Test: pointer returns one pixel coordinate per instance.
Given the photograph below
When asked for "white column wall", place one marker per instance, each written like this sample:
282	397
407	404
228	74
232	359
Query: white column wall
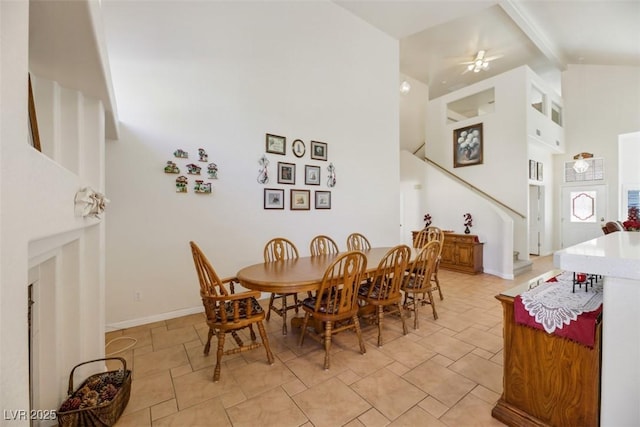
220	75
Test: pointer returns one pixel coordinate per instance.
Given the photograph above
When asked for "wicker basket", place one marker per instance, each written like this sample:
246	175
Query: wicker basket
106	413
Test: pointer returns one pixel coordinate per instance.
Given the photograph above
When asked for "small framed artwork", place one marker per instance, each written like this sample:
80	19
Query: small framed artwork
286	173
273	198
298	148
323	199
467	146
300	200
311	175
533	170
34	135
276	144
539	171
318	150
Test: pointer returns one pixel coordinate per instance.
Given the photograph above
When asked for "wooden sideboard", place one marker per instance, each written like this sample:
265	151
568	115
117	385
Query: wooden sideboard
461	252
548	380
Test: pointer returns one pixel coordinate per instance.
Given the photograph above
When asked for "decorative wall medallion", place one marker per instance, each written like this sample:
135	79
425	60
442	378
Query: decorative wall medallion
263	176
171	167
193	169
331	181
180	153
212	170
181	184
202	187
89	202
203	155
298	148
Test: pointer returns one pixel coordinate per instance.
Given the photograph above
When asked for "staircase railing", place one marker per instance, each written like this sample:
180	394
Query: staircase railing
469	185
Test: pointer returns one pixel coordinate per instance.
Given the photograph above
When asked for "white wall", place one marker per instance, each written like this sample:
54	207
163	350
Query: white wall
219	75
601	103
41	239
629	173
413	107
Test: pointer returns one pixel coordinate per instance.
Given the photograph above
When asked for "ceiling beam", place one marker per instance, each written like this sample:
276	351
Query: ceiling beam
533	32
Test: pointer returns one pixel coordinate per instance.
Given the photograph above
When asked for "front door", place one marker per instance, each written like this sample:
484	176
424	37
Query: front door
584	208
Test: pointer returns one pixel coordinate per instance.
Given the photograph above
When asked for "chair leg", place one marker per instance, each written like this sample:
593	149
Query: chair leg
207	346
435	278
304	328
380	317
327	343
404	324
433	305
284	314
252	333
356	323
415	312
216	370
265	342
271	298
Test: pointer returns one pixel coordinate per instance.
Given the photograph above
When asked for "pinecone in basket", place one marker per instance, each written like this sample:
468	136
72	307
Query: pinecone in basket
71	404
108	393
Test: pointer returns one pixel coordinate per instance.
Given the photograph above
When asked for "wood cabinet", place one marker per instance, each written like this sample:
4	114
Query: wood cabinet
462	252
548	380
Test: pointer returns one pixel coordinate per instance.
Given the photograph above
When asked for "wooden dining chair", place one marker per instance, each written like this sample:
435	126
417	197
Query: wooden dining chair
357	242
383	291
278	249
338	307
421	239
418	282
228	312
322	244
436	234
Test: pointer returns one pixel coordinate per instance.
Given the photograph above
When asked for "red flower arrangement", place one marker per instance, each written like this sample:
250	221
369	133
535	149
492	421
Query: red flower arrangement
632	223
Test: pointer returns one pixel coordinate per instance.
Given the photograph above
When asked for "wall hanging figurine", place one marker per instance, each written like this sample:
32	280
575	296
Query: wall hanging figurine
171	167
263	176
212	170
331	181
193	169
202	187
90	203
181	184
180	153
203	155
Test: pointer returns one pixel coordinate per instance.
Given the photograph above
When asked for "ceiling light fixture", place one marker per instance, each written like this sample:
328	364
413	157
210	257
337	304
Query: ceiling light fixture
581	165
405	87
479	64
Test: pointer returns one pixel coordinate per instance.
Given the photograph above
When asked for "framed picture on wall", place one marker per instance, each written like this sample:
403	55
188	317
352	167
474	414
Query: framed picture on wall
323	199
286	173
467	146
539	171
276	144
300	200
312	175
533	170
298	148
318	150
273	198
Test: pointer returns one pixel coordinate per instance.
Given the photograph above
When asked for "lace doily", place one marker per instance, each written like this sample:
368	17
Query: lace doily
553	304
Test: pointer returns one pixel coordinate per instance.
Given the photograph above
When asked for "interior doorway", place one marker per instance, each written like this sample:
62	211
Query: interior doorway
584	208
536	218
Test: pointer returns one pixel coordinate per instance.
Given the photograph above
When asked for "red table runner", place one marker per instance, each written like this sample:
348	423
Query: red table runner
554	308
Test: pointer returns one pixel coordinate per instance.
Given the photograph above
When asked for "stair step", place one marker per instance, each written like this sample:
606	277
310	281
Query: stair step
516	254
521	266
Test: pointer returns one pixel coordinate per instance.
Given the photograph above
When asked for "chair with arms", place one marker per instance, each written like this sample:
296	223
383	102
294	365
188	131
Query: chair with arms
435	233
323	245
338	307
357	242
227	311
418	281
383	291
278	249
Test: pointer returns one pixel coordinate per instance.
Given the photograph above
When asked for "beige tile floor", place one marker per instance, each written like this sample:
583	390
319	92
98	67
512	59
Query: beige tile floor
447	373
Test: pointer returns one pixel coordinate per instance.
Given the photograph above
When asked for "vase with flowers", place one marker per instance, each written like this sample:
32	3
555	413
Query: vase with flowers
427	220
468	222
632	223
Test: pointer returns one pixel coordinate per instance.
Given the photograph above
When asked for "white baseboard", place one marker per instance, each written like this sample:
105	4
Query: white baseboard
154	318
500	274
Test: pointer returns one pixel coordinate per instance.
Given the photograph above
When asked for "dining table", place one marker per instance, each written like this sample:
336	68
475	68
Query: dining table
303	274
